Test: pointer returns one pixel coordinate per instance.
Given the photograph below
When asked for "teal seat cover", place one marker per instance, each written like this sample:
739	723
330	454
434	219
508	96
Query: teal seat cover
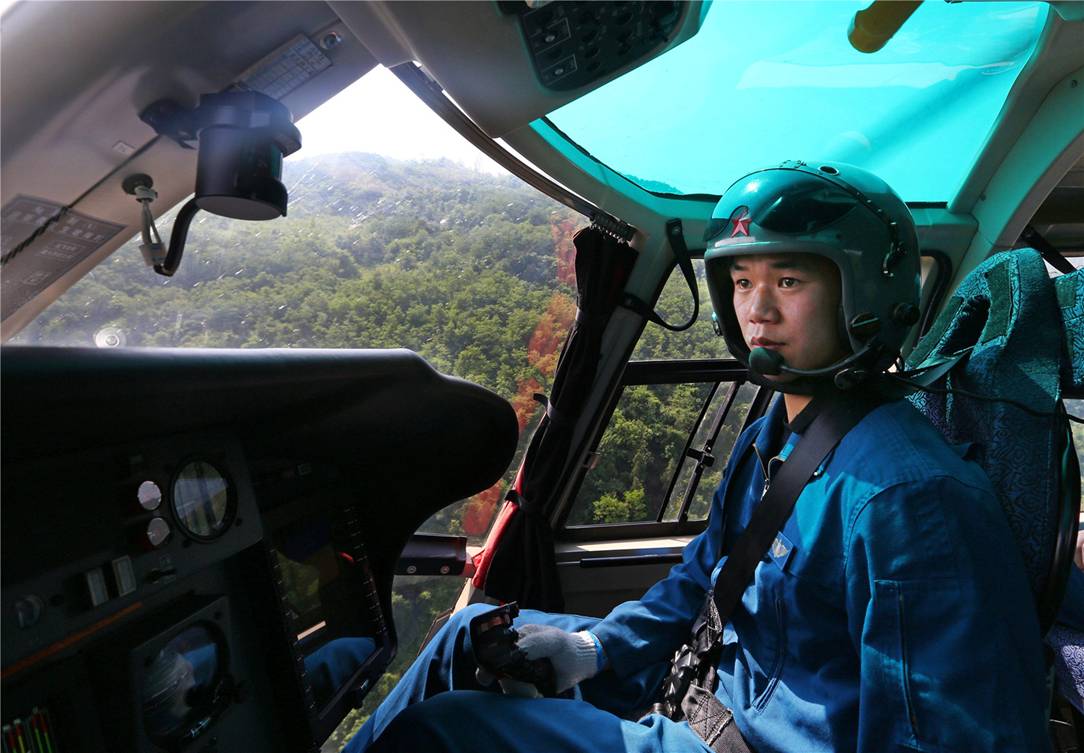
1070	289
1011	315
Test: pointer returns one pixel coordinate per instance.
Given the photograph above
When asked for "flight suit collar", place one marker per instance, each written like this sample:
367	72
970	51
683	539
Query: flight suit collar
777	438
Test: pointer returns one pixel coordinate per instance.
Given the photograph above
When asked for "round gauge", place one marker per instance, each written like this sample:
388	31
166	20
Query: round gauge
149	495
179	685
157	531
202	500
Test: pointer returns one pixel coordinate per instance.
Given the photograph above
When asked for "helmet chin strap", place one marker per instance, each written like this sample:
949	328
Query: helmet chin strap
766	362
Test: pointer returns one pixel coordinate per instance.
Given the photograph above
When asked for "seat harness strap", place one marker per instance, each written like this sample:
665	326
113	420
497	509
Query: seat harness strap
688	691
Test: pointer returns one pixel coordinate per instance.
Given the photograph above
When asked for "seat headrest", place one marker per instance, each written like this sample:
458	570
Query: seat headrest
1008	316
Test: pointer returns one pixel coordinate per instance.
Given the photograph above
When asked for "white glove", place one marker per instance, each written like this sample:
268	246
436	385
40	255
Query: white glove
573	654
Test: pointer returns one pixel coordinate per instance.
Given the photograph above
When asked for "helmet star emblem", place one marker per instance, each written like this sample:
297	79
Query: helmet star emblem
740	218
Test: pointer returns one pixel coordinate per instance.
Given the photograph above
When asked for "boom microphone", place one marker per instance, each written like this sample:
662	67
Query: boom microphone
767	362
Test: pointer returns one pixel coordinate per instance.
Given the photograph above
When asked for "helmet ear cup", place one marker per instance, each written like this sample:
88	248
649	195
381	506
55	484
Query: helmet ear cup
841	327
723	319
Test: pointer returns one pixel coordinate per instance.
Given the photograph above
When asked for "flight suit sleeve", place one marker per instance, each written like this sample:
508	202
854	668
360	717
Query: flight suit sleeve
942	618
639	633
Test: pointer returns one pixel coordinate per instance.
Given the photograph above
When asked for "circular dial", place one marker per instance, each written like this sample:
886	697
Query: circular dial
202	500
157	531
149	495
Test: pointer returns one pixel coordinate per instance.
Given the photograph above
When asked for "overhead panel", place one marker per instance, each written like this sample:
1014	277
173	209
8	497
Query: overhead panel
574	44
480	56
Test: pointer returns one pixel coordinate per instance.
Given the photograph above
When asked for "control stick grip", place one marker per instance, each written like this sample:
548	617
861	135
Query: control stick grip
494	644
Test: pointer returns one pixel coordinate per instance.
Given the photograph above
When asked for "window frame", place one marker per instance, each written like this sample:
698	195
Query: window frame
716	371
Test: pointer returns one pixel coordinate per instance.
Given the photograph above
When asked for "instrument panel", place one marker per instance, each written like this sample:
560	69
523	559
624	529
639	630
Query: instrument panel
198	547
116	587
117	533
140	602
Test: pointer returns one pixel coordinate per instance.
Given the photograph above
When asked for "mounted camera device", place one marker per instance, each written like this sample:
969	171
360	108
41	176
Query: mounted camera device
242	138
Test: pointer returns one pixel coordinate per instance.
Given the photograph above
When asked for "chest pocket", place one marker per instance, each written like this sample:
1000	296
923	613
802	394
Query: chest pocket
791	595
761	630
764	684
764	638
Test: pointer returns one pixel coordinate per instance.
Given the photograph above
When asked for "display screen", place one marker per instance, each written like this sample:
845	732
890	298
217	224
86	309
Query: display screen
326	594
178	687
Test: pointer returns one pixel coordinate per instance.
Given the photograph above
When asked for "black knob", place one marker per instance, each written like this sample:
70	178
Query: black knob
850	378
28	611
138	180
905	313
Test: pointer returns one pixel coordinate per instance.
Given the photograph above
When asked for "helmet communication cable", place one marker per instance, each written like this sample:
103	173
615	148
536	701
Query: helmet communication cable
985	398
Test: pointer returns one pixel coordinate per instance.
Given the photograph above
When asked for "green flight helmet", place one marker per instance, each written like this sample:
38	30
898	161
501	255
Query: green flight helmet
837	211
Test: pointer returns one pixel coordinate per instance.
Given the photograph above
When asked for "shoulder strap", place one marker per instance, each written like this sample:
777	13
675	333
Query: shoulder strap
836	418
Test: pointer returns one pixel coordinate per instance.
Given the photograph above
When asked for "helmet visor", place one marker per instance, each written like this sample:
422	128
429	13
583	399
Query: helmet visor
781	201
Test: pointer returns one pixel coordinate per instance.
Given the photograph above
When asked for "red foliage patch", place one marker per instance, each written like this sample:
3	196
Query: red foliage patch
563	231
543	350
479	511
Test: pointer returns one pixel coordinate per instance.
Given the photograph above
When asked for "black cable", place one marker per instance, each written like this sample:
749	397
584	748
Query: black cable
986	398
177	239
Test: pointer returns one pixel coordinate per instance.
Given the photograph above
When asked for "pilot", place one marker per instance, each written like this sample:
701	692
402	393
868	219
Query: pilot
891	613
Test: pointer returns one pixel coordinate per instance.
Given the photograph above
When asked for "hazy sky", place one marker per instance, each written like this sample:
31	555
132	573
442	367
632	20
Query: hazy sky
379	114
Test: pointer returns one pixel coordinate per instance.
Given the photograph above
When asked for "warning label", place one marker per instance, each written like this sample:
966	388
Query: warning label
286	68
63	239
21	218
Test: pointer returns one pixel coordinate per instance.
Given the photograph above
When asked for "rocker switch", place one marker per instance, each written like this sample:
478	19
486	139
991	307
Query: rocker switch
124	575
96	586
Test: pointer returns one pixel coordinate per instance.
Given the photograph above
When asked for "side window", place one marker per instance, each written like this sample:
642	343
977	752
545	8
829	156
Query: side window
681	407
663	453
416	602
675	305
701	466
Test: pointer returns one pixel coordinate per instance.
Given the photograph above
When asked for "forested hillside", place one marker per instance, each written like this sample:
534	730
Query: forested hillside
473	271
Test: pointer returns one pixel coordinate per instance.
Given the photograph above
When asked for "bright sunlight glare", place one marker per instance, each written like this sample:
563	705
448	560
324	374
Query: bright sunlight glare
378	114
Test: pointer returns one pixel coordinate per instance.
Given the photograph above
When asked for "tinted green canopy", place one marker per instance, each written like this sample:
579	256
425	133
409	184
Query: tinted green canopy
765	82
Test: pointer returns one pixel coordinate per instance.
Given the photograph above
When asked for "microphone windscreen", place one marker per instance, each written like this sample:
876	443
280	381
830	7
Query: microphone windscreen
765	361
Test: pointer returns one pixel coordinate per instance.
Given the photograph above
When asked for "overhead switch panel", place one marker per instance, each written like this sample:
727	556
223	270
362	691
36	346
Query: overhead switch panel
573	44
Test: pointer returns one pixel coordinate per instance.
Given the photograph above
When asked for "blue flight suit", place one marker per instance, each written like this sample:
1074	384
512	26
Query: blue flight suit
892	613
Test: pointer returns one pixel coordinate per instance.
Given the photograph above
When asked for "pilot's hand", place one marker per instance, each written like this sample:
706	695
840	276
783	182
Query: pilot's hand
573	654
1078	556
